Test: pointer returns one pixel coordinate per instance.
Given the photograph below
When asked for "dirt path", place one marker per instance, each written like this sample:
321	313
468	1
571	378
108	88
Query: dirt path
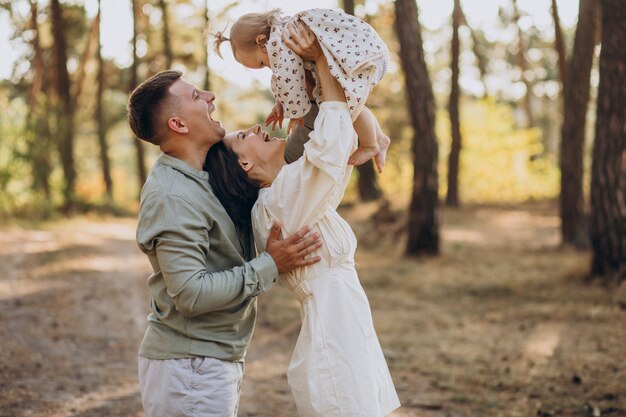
501	324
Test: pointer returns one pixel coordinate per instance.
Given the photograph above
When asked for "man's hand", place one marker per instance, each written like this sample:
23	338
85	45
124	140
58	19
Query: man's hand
275	116
291	253
299	38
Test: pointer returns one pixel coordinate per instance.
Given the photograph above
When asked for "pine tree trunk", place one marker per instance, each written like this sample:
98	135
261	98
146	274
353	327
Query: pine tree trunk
479	53
608	177
452	196
559	43
99	116
576	99
40	144
65	111
139	149
167	45
423	226
523	66
367	184
207	77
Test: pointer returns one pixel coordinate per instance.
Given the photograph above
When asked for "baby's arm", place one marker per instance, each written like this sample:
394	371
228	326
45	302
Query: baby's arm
276	116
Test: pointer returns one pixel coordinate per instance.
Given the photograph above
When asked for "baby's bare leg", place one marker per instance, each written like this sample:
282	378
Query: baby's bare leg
367	123
365	127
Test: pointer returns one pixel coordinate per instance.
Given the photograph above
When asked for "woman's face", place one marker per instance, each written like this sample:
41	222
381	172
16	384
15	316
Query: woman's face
255	149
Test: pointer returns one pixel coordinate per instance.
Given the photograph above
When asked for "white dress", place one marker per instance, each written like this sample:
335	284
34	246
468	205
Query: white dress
337	367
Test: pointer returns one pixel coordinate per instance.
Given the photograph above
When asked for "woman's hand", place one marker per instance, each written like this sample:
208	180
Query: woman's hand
276	116
299	38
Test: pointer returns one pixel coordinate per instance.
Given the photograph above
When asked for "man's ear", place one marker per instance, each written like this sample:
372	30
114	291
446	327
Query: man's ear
246	165
177	125
261	40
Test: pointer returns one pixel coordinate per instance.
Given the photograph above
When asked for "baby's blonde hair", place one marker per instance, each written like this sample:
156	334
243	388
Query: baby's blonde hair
245	30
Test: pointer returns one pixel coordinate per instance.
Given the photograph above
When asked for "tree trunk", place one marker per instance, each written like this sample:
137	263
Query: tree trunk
140	152
479	53
99	116
65	111
423	226
452	196
523	66
40	143
576	100
167	45
559	43
608	172
207	77
367	184
81	77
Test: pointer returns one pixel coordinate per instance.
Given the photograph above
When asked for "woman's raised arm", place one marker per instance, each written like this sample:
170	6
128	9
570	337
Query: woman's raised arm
302	41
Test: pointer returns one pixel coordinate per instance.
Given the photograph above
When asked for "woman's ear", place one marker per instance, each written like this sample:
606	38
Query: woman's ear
246	165
261	40
177	125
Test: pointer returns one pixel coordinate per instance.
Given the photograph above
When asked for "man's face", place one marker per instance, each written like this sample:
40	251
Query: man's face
194	107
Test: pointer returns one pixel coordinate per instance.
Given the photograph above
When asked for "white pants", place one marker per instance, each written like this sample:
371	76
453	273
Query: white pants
190	387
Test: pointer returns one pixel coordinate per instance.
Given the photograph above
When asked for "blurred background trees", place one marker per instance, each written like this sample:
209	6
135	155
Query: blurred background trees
479	111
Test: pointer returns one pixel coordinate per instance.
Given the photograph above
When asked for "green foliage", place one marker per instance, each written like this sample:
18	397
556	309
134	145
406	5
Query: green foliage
13	169
499	163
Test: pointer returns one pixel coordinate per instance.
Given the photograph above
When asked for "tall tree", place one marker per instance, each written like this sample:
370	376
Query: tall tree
576	99
559	43
367	184
207	77
452	196
608	172
423	226
134	68
40	143
522	63
167	44
99	115
65	110
479	53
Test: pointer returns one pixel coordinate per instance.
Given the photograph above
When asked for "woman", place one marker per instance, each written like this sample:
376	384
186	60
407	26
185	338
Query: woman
337	367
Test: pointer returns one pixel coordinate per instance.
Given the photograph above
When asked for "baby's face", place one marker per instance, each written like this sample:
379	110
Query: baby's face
253	58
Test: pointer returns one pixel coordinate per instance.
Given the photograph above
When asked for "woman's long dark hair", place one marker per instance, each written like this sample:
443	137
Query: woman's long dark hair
231	184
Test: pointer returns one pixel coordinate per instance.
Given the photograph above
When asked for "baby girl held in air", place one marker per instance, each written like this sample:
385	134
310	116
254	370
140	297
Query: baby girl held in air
357	56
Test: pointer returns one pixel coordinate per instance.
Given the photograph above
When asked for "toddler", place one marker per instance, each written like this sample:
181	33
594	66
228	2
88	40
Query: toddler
357	57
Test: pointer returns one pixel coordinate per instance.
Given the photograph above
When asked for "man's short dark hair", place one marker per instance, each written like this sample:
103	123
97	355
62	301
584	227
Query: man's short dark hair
146	103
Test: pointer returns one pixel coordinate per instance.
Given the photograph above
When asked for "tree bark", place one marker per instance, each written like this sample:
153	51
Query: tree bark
559	43
40	143
367	184
99	116
65	111
608	176
139	148
523	66
167	45
423	225
479	53
576	100
452	196
207	74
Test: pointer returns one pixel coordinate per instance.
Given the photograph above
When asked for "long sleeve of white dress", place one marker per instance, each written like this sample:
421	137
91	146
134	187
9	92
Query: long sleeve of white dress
308	191
303	190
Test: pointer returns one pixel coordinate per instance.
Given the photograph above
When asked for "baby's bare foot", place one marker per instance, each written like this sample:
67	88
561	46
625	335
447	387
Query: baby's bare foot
383	145
363	154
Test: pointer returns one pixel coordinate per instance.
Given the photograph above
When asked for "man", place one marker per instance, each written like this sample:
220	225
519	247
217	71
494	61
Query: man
204	285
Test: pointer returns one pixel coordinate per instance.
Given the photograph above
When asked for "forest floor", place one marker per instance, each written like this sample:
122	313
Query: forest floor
503	323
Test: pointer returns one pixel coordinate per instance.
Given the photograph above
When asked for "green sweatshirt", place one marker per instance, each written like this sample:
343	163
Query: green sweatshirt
204	285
